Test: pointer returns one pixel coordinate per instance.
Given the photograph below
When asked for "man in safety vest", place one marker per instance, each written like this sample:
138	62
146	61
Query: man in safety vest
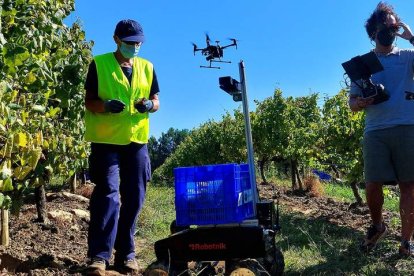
121	91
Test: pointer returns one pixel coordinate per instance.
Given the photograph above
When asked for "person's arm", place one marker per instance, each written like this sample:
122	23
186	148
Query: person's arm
92	102
155	89
357	103
156	102
407	33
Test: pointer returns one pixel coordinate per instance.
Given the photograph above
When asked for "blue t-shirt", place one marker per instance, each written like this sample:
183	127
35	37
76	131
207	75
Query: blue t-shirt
397	78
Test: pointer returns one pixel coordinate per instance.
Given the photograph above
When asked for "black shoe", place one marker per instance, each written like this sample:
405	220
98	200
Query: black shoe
373	237
406	249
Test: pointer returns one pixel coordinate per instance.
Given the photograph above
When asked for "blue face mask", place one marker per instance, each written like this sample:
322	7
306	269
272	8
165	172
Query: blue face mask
129	51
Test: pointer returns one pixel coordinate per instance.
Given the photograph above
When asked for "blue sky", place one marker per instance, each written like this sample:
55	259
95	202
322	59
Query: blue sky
296	45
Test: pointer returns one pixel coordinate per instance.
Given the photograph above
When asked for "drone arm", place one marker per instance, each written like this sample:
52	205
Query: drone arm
233	44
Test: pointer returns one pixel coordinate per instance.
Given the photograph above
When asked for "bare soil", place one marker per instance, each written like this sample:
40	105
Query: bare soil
59	247
324	208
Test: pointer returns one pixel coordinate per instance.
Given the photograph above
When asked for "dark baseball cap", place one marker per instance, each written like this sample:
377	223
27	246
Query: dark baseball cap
129	30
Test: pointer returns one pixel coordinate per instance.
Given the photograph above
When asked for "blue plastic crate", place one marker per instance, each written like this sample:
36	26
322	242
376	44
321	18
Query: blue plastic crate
322	175
213	194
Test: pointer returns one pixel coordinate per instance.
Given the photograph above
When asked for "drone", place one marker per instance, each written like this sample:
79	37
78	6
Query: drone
213	53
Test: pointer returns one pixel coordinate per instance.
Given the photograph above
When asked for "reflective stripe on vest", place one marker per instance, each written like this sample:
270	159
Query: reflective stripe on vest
129	125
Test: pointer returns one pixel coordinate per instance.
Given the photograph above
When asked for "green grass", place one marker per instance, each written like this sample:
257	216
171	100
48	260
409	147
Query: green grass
155	219
314	247
344	193
340	192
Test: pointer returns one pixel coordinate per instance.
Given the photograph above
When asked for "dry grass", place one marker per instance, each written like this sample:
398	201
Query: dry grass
85	190
313	186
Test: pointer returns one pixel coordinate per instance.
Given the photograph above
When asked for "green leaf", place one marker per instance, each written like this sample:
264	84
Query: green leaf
20	139
1	200
2	39
7	185
6	170
14	55
21	172
54	111
30	78
7	202
39	108
14	106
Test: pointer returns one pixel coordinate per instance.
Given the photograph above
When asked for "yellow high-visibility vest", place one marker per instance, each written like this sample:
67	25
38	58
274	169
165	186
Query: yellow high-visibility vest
129	125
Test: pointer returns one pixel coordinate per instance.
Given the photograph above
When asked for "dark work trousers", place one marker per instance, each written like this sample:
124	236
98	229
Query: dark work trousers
120	174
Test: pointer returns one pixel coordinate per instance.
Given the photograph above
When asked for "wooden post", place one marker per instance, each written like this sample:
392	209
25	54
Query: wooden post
74	184
5	240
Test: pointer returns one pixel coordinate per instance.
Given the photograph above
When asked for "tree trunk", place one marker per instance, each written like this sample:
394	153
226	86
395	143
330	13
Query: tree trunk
261	169
355	190
293	174
83	181
40	197
286	169
17	202
5	240
336	171
298	176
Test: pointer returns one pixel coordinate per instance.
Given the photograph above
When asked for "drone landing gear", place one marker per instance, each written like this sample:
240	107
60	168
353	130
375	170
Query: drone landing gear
211	67
214	67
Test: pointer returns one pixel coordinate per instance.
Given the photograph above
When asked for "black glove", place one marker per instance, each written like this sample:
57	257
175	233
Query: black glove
144	105
114	106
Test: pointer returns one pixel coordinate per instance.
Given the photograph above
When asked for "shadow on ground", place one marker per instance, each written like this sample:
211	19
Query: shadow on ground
314	246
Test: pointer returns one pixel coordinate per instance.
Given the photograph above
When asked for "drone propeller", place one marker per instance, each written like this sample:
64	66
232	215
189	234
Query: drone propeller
234	41
207	39
194	47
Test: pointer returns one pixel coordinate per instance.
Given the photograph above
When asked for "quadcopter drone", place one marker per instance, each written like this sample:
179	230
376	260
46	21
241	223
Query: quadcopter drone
213	53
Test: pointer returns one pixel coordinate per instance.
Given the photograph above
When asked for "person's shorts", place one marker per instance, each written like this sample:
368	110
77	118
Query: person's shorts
389	154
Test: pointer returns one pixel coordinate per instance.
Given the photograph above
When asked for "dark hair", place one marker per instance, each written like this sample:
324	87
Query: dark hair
379	17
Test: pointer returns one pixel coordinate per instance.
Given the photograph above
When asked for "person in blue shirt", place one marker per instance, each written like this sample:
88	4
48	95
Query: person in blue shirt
388	143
